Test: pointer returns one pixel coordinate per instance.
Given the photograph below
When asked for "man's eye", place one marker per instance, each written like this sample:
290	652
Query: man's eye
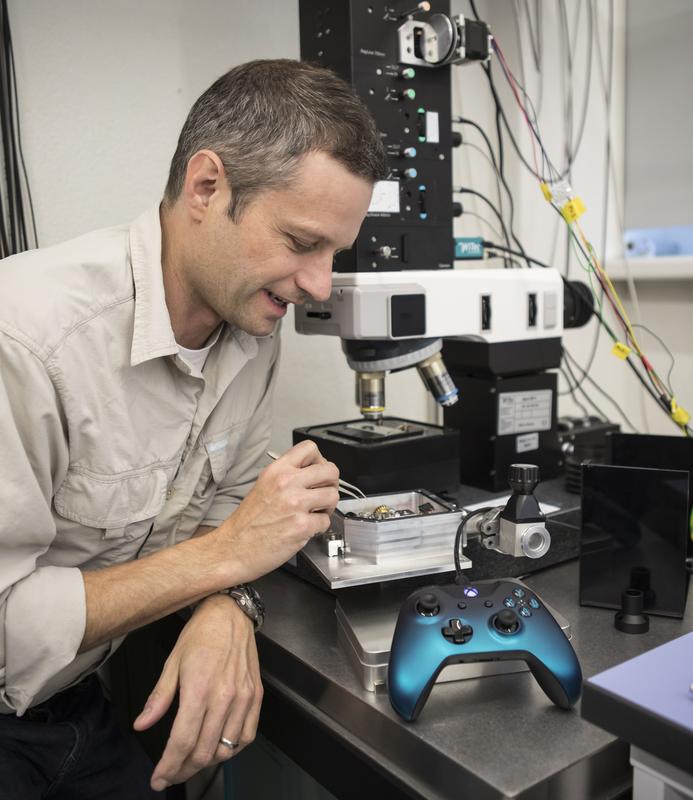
301	247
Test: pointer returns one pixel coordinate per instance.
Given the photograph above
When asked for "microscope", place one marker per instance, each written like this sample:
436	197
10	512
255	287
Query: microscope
482	340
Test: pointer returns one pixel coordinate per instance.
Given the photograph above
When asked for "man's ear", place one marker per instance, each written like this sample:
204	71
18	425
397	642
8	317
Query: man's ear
205	180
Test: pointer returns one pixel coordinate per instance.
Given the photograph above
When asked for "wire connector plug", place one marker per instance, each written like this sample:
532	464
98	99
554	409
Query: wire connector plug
573	210
679	414
621	350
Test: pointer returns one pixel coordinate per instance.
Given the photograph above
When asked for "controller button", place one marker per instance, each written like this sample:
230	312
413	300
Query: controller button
471	591
525	612
509	602
534	602
506	621
462	606
457	631
519	592
488	603
427	605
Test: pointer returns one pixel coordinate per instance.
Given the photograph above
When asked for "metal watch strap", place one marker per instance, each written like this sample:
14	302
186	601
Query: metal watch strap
248	600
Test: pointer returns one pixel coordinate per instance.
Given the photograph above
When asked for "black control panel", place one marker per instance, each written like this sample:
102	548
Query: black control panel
409	224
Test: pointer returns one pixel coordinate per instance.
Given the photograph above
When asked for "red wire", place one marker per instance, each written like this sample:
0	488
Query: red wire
513	85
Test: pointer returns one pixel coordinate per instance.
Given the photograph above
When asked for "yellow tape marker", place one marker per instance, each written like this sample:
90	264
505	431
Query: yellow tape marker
621	350
546	192
573	210
679	414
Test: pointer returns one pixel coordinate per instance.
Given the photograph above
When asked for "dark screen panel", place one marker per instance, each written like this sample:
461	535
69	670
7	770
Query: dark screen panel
660	452
634	535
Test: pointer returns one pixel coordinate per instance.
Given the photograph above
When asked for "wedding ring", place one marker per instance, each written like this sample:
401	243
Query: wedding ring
228	743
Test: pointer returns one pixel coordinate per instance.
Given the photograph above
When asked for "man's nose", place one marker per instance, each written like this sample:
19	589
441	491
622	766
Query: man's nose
315	279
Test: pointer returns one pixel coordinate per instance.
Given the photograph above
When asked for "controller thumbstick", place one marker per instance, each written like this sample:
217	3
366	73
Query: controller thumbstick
523	478
506	621
428	605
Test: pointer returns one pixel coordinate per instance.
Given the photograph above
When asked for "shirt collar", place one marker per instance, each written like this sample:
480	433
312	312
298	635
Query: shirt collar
152	334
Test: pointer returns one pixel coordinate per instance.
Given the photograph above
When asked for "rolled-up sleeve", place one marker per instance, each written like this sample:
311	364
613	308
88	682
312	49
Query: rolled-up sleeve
251	452
42	608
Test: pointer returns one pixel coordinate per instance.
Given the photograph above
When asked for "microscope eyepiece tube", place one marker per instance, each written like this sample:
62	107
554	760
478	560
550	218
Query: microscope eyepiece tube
370	394
435	375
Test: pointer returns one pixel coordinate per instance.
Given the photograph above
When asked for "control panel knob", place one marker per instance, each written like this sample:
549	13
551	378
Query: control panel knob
408	73
409	152
410	172
506	621
523	478
428	605
407	94
385	251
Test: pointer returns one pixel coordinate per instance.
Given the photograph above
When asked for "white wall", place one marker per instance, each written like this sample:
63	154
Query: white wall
104	88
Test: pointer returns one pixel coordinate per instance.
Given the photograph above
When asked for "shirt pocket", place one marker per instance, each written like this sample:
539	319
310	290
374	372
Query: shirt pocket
122	506
222	450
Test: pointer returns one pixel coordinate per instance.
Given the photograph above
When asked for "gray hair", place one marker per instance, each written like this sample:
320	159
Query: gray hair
260	118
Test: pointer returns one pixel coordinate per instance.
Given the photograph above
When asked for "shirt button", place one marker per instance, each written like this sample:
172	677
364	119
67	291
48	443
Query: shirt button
170	492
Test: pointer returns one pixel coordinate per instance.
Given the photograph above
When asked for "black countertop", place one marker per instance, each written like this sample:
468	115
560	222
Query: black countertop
492	737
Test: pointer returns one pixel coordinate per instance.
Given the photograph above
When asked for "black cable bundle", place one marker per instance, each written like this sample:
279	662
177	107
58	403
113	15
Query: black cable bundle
15	194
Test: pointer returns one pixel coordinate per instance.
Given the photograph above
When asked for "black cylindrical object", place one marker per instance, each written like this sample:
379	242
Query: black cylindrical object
578	304
631	619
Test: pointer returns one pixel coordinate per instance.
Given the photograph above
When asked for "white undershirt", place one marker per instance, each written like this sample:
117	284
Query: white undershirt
195	359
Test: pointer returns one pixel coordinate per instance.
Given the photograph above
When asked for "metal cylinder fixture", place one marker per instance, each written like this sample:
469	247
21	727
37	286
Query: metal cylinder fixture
370	394
435	375
535	541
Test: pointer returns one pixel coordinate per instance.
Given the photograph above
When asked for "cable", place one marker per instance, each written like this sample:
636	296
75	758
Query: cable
14	187
500	176
571	391
459	575
482	219
667	350
662	401
571	208
569	369
474	193
586	377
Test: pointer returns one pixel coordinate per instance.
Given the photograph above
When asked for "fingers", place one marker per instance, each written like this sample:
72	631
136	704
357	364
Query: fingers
302	454
242	730
253	716
324	499
324	474
159	701
183	739
234	701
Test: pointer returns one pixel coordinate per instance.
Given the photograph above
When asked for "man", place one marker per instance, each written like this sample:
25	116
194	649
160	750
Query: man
136	371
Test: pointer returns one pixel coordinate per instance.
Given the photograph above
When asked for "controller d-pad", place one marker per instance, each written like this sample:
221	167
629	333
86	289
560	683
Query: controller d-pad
457	631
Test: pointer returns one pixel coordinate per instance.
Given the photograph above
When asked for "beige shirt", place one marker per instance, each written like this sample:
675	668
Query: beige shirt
104	432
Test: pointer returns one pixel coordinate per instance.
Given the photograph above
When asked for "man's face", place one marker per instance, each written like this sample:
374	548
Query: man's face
281	248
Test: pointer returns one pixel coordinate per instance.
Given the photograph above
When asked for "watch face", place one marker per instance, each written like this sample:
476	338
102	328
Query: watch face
249	600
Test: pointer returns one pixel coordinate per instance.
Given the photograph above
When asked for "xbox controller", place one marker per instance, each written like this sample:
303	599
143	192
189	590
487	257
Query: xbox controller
481	621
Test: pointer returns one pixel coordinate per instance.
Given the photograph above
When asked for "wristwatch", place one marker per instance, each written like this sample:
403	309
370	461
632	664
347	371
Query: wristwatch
248	600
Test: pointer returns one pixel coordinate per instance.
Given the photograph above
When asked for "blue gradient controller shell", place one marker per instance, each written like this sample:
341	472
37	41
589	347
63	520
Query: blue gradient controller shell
441	625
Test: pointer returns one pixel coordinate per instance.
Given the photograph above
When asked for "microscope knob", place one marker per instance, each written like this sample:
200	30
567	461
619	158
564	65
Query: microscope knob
523	477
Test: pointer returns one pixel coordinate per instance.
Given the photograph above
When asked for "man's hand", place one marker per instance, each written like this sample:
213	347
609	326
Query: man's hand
290	502
214	667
